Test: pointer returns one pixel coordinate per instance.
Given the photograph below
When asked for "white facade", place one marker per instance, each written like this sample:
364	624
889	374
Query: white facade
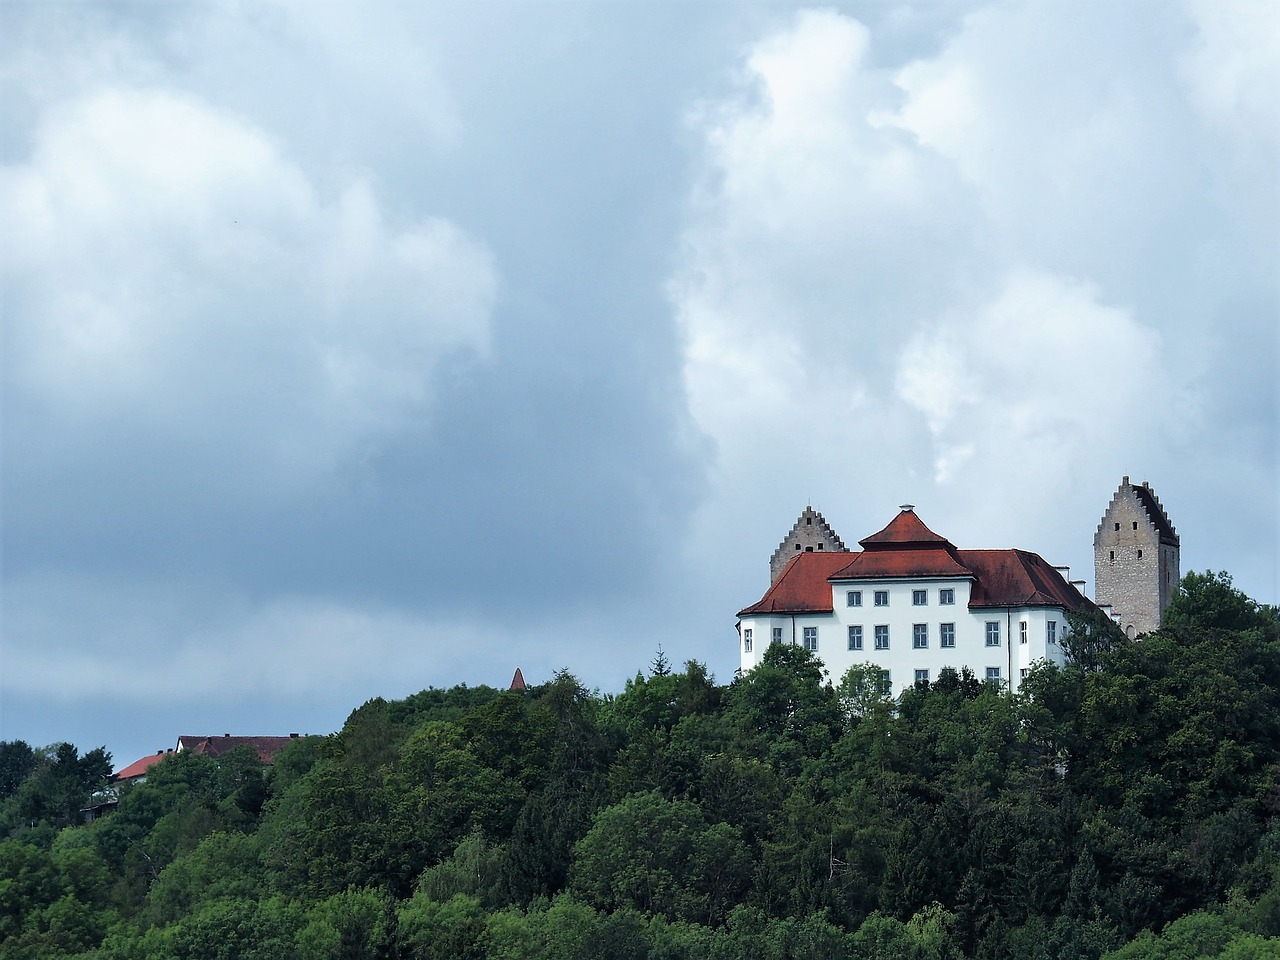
911	604
1044	630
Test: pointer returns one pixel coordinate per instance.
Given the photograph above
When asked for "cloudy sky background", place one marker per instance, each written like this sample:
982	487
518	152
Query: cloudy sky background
350	350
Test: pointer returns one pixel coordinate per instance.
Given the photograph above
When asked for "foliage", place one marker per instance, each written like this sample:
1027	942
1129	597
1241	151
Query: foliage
1126	805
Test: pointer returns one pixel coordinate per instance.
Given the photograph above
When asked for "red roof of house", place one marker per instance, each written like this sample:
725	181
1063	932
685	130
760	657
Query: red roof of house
1018	578
906	529
802	585
267	747
908	549
139	767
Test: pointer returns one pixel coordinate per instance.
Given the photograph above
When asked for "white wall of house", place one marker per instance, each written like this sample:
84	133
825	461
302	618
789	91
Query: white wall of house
1011	656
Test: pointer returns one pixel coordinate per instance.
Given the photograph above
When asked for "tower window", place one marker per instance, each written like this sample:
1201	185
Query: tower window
1117	524
808	521
1135	524
820	546
1111	554
1139	554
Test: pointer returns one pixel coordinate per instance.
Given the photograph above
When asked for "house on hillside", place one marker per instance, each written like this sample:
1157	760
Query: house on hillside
267	748
136	772
911	603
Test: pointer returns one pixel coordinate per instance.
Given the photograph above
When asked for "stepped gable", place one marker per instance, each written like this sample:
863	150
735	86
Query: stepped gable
1018	578
802	587
810	534
1150	504
904	548
1159	519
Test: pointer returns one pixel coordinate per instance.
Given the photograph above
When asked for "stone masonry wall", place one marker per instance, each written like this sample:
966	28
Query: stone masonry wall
811	532
1134	571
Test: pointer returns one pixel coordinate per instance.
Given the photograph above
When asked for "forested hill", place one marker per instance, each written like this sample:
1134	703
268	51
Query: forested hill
1128	807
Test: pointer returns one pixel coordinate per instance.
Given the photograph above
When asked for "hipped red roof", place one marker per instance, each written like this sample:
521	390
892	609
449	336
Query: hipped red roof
907	549
139	767
266	747
802	586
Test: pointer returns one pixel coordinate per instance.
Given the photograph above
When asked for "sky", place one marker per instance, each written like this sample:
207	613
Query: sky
355	349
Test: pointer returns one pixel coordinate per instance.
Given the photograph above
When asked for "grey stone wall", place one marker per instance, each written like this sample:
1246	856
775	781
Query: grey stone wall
1136	559
811	532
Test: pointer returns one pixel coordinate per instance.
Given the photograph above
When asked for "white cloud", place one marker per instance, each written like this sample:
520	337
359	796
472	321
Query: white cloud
1031	384
175	270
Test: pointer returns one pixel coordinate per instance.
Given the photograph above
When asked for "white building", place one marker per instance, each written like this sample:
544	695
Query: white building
910	603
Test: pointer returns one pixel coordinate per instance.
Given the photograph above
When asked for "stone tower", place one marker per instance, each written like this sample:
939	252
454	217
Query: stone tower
1135	559
812	533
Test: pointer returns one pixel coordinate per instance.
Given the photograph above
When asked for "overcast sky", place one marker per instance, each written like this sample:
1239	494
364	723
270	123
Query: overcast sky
351	349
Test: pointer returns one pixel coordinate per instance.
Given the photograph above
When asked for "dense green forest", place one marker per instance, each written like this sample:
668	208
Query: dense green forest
1125	807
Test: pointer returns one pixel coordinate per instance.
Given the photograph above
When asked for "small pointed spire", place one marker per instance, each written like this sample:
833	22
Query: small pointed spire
517	682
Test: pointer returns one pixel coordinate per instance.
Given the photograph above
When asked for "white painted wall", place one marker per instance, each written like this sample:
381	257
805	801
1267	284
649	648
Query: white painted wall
902	659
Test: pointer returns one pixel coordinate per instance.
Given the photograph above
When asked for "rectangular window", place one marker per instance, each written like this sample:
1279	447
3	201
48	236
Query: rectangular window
1022	631
993	633
919	598
855	638
947	635
746	640
922	676
993	673
919	636
882	598
947	597
811	638
886	683
1051	631
882	637
1022	674
853	598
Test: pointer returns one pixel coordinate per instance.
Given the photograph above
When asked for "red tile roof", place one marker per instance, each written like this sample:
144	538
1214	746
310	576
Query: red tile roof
893	564
1018	578
139	767
267	747
908	549
906	528
802	587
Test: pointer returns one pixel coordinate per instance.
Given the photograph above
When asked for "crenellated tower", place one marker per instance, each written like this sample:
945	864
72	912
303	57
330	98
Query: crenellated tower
1135	558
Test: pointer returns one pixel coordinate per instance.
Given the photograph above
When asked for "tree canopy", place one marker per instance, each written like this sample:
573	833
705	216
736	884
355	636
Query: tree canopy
1126	807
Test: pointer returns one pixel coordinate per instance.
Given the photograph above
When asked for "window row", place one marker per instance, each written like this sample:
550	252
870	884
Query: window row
919	635
993	673
919	598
